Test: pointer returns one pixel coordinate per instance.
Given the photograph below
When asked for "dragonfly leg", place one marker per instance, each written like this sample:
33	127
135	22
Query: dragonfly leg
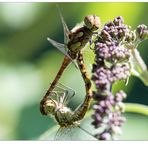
65	97
63	93
56	94
68	88
62	96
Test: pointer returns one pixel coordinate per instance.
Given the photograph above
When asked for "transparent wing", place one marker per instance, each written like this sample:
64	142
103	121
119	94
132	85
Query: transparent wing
73	133
62	48
65	28
64	133
59	46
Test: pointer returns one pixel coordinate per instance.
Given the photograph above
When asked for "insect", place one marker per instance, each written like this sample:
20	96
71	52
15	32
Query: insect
74	41
68	120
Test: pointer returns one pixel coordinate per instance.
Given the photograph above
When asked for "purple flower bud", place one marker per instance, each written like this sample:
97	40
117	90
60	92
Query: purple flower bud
105	136
111	65
142	32
120	96
118	21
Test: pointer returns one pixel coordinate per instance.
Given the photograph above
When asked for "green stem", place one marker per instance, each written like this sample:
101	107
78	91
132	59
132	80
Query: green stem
139	67
136	108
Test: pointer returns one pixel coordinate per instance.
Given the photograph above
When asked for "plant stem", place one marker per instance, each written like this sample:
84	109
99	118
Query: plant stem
139	67
136	108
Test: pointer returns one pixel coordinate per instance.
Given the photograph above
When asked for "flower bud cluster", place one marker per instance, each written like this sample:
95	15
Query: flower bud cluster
111	65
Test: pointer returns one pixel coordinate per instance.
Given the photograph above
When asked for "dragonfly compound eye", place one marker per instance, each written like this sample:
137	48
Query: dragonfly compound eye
92	22
50	107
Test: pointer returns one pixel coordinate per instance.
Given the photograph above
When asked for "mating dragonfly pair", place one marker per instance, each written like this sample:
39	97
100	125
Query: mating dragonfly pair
74	41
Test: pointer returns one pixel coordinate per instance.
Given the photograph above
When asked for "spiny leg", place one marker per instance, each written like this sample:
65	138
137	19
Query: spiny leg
67	91
64	91
62	96
65	101
59	95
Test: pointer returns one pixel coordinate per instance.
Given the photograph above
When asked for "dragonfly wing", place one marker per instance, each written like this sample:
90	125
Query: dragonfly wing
66	34
69	93
59	46
66	30
62	48
73	133
64	134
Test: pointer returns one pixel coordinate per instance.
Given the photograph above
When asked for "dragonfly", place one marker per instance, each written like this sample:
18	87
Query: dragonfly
68	120
74	41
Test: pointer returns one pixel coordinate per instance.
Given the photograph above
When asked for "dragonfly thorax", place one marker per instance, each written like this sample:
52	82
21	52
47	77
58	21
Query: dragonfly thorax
78	40
64	117
80	36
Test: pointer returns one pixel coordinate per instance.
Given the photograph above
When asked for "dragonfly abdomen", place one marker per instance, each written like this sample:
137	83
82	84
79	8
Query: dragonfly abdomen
84	72
80	112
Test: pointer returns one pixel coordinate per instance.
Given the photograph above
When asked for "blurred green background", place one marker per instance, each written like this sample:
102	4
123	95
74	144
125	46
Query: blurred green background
28	63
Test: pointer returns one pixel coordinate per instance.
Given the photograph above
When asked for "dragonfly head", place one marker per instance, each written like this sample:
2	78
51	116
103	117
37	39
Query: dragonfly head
50	107
92	22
